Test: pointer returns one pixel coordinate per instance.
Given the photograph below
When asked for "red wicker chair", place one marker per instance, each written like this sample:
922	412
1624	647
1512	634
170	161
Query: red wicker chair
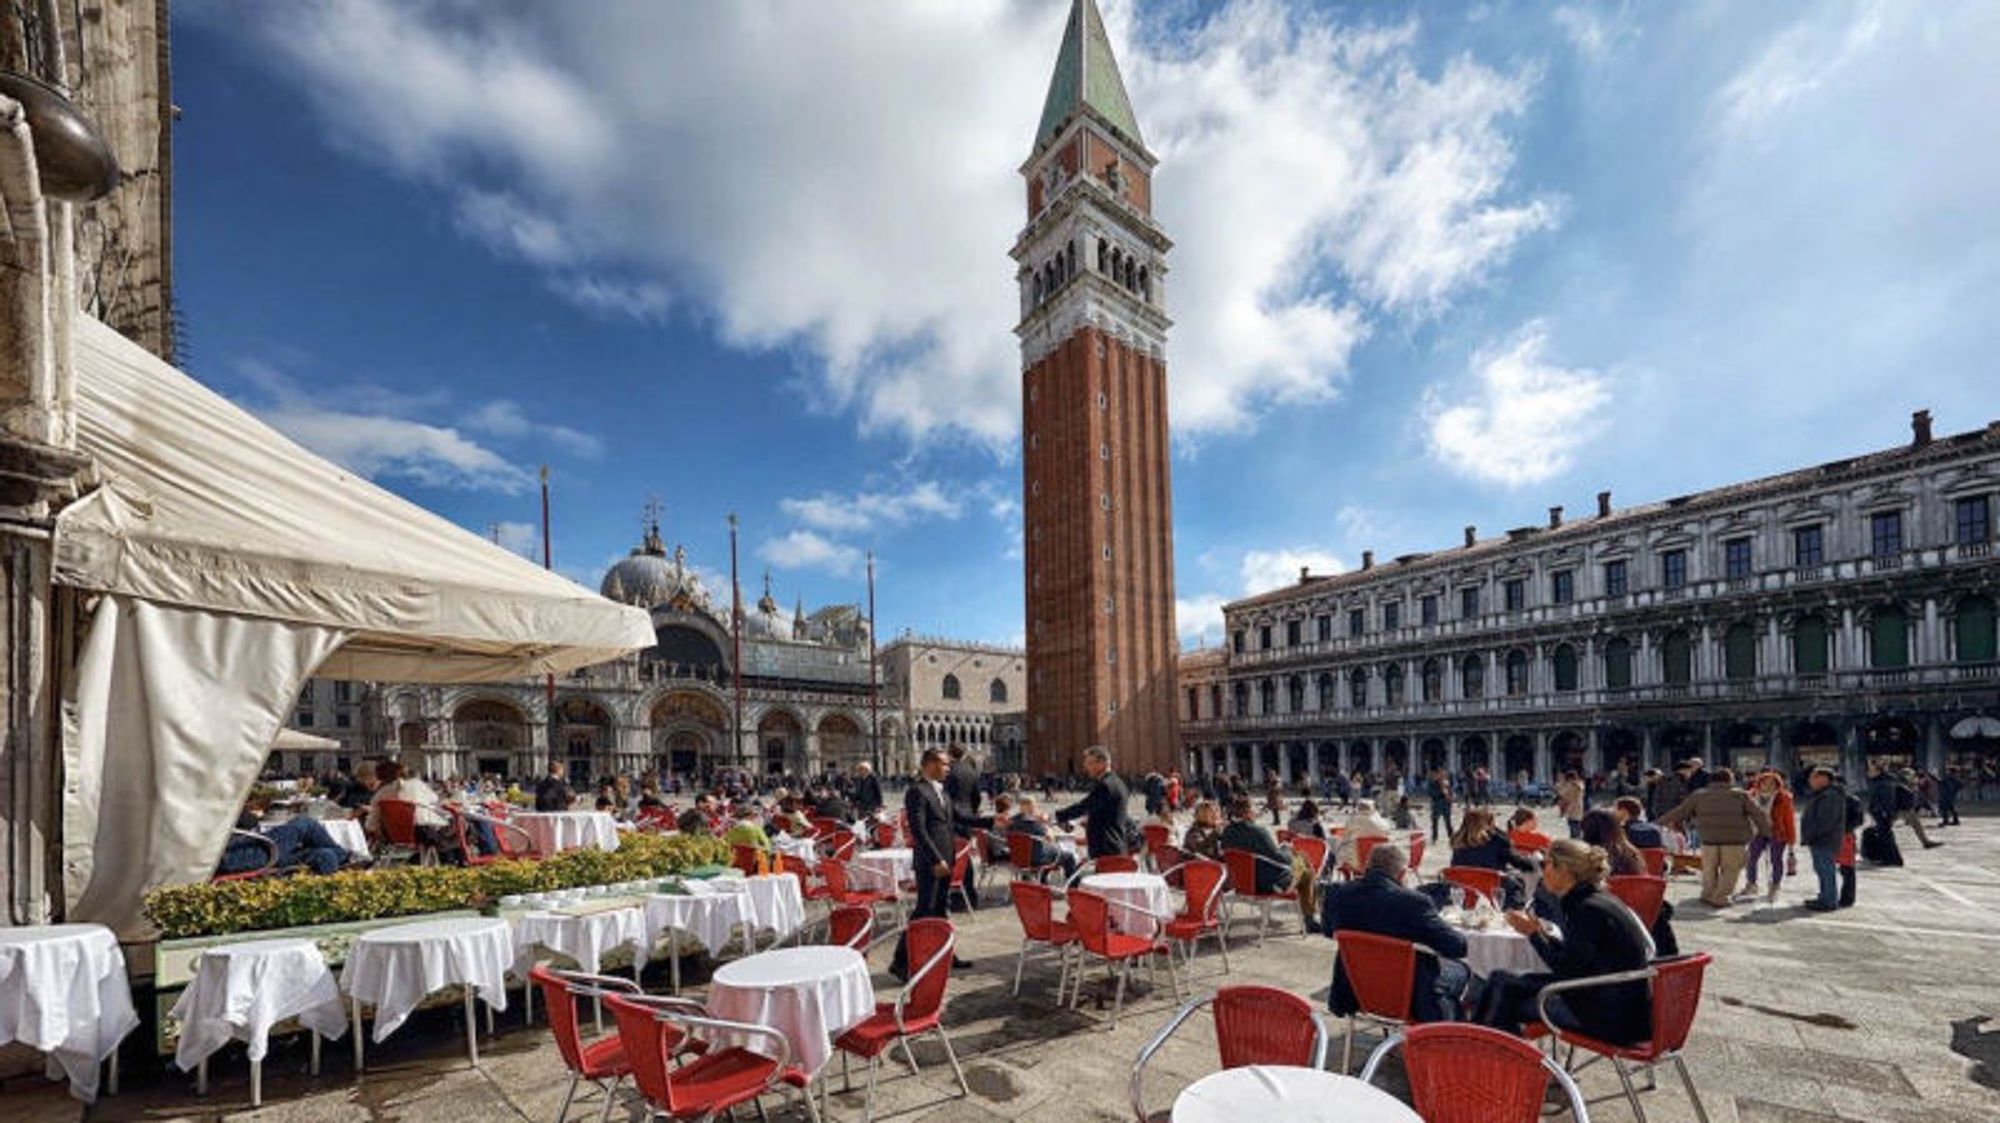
752	861
1655	858
1485	882
851	926
1382	971
1644	895
1090	913
918	1009
719	1079
603	1061
1313	850
396	820
1205	883
1243	884
1115	863
1676	995
1254	1025
1034	903
1461	1073
1362	848
1021	855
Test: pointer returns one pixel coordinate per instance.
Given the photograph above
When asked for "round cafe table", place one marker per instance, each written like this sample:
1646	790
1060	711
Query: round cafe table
395	968
810	995
710	915
1284	1094
63	991
881	871
1499	947
776	904
556	831
241	990
1137	901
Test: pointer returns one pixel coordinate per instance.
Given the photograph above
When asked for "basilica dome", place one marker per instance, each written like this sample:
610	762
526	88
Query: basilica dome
648	578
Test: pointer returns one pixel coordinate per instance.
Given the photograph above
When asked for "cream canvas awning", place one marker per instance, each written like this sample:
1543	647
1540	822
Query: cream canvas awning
204	506
233	565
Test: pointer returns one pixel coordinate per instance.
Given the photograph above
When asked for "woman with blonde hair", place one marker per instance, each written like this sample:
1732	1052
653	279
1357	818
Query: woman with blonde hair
1204	835
1598	936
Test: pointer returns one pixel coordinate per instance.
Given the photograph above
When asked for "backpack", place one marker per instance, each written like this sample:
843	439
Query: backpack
1857	812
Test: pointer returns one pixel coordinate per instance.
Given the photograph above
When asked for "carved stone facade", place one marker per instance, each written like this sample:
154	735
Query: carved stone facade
949	692
1828	615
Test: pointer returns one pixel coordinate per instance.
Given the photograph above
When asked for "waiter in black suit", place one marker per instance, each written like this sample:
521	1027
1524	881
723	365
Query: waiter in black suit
1103	809
932	845
961	787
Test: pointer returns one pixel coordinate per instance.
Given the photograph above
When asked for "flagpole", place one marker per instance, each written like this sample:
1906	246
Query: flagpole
736	642
548	562
874	680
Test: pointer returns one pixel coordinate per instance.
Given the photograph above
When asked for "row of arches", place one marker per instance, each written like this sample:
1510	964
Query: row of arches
1887	629
1124	269
966	731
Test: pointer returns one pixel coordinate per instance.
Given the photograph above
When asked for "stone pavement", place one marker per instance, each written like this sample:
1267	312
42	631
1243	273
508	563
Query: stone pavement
1888	1011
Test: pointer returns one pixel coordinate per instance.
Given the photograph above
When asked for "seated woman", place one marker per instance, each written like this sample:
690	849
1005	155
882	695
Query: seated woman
1028	820
1602	829
1639	832
1363	823
1525	832
1599	936
1306	823
1204	836
1003	818
1480	844
747	830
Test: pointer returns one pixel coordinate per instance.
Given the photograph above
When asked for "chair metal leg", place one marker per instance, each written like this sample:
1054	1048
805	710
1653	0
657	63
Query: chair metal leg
1631	1093
1118	1003
610	1101
1347	1050
952	1055
909	1054
569	1095
1020	961
869	1112
1694	1097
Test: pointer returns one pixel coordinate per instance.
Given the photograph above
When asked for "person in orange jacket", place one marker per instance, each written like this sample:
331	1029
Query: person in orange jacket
1775	797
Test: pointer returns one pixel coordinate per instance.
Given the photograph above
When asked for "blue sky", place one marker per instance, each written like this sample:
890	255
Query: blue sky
1435	265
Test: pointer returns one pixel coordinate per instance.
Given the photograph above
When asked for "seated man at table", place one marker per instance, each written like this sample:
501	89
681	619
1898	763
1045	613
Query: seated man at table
1278	869
1028	820
299	842
1379	904
552	791
433	827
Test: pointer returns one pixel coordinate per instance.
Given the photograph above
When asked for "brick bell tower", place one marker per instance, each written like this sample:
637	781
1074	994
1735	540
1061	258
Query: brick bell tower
1097	498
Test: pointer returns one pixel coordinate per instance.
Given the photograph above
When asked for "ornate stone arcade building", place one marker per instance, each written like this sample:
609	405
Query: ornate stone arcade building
670	707
1829	615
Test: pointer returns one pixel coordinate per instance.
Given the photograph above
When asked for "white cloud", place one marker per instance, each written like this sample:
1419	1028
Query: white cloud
873	510
1198	616
503	418
374	446
1799	61
1596	31
524	539
805	549
1265	570
1522	418
1315	178
1198	619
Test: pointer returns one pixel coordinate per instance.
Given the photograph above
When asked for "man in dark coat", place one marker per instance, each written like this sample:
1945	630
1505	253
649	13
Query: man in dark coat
552	791
867	791
1378	904
962	788
1822	829
1102	808
932	846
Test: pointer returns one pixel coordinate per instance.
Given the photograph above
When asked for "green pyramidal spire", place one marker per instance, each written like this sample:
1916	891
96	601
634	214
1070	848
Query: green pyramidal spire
1086	74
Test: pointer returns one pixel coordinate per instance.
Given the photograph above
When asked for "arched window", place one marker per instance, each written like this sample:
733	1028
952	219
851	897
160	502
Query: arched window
1392	684
1241	700
1739	652
1809	645
1472	677
1677	653
1517	673
1038	287
1069	260
1889	638
1357	687
996	692
1618	663
1565	667
1145	284
1973	629
1324	690
1103	257
950	688
1433	681
1295	693
1267	697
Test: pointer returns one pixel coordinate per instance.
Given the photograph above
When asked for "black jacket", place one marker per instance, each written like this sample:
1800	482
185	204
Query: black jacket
961	786
1823	817
1274	868
1103	812
551	794
1600	936
931	839
1496	853
1377	905
868	795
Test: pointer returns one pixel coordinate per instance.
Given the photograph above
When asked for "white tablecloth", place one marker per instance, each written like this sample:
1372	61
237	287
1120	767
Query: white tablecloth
241	990
804	849
63	991
555	831
1283	1094
811	995
583	937
393	969
709	915
1490	949
1137	900
880	871
349	834
776	904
